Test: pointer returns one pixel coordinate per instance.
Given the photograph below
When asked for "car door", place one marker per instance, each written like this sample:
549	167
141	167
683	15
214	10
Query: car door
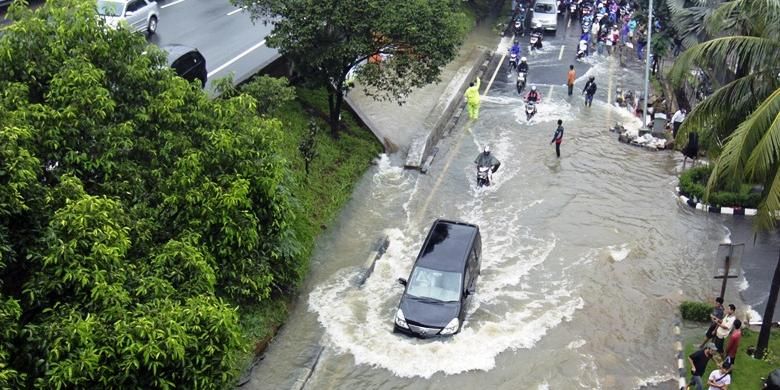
137	20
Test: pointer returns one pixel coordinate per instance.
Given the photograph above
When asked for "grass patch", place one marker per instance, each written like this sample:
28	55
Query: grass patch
320	194
747	371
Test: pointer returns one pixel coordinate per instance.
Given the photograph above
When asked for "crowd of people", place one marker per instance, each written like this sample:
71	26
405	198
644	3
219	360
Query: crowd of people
721	343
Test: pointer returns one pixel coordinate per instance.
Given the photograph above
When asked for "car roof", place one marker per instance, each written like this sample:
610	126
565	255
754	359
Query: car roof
447	245
175	51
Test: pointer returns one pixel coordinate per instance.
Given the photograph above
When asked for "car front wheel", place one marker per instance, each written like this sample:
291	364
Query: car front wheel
151	28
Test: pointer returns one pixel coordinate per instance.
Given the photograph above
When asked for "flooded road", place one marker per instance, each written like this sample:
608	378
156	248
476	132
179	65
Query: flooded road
585	258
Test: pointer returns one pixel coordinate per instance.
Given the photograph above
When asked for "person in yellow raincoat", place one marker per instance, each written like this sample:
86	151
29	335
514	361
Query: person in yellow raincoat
472	99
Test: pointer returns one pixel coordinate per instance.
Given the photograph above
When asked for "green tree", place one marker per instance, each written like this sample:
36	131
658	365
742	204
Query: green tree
746	110
132	207
326	39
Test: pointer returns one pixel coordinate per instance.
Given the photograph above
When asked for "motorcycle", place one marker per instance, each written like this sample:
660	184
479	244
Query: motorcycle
518	27
512	61
484	176
582	50
572	9
521	81
530	110
536	40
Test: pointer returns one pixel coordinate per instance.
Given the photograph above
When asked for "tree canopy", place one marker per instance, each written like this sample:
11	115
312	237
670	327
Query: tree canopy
326	39
132	210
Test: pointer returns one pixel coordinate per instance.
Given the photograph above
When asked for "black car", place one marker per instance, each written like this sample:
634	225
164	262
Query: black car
187	62
443	278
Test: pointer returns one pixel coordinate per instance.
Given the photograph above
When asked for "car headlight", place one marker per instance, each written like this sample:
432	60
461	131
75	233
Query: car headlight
400	320
452	327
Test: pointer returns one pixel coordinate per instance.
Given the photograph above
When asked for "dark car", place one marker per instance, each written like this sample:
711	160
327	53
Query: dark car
187	62
442	280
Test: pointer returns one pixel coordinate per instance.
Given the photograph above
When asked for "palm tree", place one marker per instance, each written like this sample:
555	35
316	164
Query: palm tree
744	112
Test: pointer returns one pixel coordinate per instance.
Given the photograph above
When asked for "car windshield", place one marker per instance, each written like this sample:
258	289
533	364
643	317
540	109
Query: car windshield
439	285
544	8
110	8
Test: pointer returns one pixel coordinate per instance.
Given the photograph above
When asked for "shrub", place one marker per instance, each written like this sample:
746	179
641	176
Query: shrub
693	183
695	311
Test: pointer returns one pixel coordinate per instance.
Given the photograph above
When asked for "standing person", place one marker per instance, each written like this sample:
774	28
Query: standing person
590	90
641	41
472	99
715	316
570	78
558	138
720	379
724	327
677	120
698	362
733	343
632	28
677	45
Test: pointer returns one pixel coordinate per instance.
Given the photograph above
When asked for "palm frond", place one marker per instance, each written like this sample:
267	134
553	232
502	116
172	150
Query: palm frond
752	17
766	218
766	153
754	53
729	104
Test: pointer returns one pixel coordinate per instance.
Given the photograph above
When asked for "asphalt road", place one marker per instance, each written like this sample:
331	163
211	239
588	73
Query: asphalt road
224	34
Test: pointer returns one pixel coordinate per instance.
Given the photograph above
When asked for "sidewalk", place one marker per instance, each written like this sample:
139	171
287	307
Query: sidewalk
398	125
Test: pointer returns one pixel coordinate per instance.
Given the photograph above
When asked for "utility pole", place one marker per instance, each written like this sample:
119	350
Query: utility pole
644	128
730	260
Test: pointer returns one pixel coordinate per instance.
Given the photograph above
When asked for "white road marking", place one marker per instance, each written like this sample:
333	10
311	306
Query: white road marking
549	94
170	4
569	25
560	55
500	62
231	13
236	58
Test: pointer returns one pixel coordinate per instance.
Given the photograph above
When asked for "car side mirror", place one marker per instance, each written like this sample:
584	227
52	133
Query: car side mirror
470	291
402	281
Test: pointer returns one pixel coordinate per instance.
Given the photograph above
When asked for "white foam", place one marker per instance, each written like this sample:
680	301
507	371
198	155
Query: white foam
743	283
727	238
511	309
655	379
550	110
752	315
576	344
618	253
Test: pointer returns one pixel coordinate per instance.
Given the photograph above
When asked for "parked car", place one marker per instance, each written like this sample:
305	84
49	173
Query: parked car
442	281
545	15
139	15
187	62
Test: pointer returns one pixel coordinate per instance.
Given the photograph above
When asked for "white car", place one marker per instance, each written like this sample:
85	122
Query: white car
545	15
138	15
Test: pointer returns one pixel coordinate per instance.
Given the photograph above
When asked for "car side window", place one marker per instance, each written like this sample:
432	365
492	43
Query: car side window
135	5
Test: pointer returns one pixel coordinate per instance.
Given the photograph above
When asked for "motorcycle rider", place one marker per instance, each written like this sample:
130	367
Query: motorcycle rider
516	48
590	90
485	159
522	67
534	95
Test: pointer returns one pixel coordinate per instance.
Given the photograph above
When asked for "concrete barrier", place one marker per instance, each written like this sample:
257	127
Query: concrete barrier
435	124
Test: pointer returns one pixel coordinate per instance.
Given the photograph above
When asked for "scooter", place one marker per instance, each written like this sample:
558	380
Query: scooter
572	10
521	81
536	40
518	28
512	62
530	110
484	176
582	50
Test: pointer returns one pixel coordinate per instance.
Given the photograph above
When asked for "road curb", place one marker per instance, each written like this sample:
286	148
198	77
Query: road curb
386	144
436	121
678	346
713	209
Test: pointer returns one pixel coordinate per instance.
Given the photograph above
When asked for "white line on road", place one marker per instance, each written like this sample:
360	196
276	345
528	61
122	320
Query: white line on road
570	18
231	13
549	94
560	55
500	62
170	4
236	58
